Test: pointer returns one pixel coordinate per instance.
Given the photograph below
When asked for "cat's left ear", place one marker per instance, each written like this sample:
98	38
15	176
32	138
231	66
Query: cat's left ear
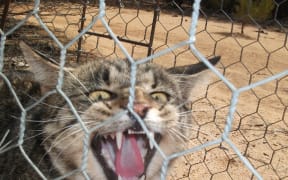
45	72
190	76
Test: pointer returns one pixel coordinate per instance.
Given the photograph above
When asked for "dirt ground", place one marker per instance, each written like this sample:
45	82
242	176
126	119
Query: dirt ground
260	124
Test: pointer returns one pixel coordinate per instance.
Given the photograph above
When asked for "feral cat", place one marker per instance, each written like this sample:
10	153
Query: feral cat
99	90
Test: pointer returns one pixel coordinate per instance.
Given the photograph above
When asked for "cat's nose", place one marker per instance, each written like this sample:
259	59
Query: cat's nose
141	108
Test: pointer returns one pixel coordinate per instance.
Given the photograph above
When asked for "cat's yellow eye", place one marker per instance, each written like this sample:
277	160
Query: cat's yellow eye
100	95
160	97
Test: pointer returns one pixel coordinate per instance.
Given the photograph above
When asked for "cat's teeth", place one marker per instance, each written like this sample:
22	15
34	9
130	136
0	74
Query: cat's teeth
130	131
119	136
119	177
150	141
112	136
135	132
142	177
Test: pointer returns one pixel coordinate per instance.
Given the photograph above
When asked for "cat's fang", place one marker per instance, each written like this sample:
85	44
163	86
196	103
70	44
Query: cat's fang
151	145
119	136
143	177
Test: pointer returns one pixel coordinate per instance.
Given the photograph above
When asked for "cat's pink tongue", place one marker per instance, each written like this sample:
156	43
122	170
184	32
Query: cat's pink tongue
129	163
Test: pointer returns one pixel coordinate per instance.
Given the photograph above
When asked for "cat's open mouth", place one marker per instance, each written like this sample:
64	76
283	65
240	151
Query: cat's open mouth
124	155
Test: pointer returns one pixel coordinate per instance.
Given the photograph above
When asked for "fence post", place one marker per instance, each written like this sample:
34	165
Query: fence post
5	13
155	18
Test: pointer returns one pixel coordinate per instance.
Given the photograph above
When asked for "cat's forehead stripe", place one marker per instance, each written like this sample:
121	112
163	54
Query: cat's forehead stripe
116	74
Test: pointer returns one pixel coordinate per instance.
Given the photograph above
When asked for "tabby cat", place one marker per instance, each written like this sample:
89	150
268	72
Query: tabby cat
99	90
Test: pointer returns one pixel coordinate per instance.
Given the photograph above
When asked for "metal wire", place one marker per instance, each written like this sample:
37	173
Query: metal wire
190	41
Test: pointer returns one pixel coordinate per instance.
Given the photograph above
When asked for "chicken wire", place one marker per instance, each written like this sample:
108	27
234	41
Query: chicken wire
240	124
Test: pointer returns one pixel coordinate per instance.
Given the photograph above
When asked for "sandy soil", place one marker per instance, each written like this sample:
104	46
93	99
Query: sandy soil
260	125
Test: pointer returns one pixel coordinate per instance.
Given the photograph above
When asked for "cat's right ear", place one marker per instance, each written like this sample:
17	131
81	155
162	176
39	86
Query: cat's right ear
191	75
45	72
194	68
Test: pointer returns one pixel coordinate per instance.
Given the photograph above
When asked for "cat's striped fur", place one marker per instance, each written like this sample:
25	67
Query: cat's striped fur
99	90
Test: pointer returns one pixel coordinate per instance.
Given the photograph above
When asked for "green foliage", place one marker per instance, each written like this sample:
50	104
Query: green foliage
260	10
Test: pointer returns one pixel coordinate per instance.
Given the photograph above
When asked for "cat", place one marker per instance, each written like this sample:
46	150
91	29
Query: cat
99	91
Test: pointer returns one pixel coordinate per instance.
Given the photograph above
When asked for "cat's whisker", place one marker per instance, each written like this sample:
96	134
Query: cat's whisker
69	118
179	135
60	108
76	139
66	128
186	124
174	135
35	130
185	113
202	110
196	128
63	150
40	121
52	133
2	145
31	137
58	140
27	138
63	118
56	143
43	141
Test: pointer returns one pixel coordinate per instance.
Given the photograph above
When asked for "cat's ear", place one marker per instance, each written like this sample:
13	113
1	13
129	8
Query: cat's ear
45	72
194	68
193	75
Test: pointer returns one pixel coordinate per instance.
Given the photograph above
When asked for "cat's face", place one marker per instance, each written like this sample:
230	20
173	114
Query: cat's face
118	148
100	91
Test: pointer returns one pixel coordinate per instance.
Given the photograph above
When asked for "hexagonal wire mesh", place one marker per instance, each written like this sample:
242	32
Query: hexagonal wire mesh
240	121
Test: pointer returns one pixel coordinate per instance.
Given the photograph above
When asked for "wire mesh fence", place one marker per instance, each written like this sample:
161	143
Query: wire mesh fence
240	121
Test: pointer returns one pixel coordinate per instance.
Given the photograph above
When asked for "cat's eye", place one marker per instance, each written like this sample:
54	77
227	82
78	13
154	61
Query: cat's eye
100	95
160	97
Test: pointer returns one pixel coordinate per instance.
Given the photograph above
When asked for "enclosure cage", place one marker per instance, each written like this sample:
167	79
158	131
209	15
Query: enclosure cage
240	121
